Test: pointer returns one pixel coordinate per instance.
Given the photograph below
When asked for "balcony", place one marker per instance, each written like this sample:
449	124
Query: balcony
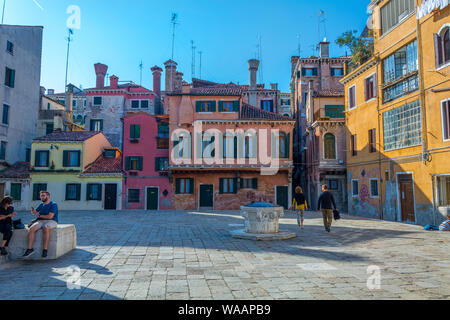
162	143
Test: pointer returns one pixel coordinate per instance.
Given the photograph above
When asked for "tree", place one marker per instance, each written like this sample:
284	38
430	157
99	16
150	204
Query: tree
360	47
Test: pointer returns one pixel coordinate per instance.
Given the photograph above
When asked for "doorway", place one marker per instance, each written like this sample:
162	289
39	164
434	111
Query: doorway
406	194
152	198
282	193
206	196
110	196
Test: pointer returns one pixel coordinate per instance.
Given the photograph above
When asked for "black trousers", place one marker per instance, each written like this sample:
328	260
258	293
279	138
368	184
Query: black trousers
6	229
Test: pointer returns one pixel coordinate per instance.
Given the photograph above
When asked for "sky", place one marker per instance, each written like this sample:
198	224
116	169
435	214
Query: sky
121	34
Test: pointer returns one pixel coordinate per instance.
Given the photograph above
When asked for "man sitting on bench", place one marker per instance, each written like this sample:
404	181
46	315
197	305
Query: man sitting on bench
47	219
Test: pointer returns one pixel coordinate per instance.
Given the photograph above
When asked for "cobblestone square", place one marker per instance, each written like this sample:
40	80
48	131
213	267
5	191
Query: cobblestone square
191	255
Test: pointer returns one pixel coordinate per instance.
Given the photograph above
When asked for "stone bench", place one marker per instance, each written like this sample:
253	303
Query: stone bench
63	239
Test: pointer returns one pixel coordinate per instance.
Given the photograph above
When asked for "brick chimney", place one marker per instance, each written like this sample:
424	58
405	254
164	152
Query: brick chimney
69	99
253	66
113	82
156	71
324	49
171	70
274	86
179	80
100	71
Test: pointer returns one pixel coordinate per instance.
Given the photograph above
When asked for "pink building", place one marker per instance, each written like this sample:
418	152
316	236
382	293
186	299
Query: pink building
146	162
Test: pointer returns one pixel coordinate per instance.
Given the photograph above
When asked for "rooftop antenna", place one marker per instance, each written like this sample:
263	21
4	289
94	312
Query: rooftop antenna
69	39
141	66
193	59
3	11
259	57
200	53
322	20
299	47
174	22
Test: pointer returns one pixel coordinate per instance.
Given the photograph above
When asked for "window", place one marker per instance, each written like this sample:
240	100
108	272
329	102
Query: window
5	118
184	146
402	127
227	185
369	87
136	104
355	188
10	76
329	141
133	163
41	159
74	103
37	188
73	191
133	195
48	106
250	145
353	145
374	188
400	89
229	146
71	159
16	191
27	154
309	72
9	47
352	97
135	131
98	101
49	128
394	12
208	146
333	184
267	105
446	119
249	183
184	186
94	191
144	104
443	185
109	154
284	145
161	164
442	47
163	130
372	141
96	124
337	72
205	106
228	106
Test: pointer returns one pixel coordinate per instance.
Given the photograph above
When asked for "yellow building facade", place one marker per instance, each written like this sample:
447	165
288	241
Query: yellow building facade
398	116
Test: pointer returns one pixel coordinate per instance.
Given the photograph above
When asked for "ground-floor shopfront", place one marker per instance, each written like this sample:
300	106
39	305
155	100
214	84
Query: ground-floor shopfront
229	189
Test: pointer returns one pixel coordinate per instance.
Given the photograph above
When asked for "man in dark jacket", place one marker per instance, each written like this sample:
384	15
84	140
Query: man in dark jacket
326	204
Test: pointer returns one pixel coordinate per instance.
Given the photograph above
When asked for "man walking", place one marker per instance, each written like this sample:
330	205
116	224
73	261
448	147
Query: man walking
47	219
326	204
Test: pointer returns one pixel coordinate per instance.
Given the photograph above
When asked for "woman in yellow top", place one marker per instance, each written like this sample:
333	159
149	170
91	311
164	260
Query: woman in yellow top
299	205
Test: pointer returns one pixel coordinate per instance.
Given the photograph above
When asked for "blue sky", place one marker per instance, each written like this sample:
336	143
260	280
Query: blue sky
122	33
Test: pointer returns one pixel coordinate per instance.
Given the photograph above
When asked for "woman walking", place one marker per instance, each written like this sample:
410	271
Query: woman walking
6	225
299	205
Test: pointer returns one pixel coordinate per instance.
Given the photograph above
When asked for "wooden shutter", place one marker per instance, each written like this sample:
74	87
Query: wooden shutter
12	78
65	158
213	106
78	190
127	163
236	106
220	106
235	147
446	120
91	125
255	183
177	186
157	163
140	163
36	158
191	185
438	50
220	185
35	191
198	106
67	192
137	131
234	185
241	183
288	145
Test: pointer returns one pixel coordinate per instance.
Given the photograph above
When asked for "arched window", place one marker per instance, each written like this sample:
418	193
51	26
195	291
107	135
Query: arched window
446	45
329	141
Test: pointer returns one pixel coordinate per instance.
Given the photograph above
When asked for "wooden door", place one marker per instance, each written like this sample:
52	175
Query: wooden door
406	191
282	196
152	198
110	196
206	195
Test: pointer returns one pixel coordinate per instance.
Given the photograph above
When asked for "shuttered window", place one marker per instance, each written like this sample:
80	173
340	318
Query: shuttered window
184	186
352	97
73	192
41	159
372	141
394	12
133	195
135	131
16	191
446	119
94	191
227	185
10	77
353	145
369	87
37	188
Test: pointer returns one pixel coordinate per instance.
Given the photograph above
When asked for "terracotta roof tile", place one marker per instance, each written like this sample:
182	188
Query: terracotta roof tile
329	93
106	165
249	112
19	170
68	136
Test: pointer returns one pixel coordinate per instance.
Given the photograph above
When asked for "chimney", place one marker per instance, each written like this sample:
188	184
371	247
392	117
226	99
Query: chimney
113	82
274	86
156	71
324	49
51	91
69	99
185	87
100	71
42	91
171	70
253	65
179	80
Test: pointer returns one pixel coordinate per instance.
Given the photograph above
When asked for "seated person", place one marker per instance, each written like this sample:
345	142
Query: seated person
6	225
445	226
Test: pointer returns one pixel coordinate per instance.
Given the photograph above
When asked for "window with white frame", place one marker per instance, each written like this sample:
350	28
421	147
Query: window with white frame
442	46
374	193
443	191
352	97
394	12
445	108
355	188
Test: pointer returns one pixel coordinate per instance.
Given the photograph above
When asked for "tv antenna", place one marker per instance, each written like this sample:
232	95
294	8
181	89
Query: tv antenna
298	45
322	21
259	57
193	59
141	66
200	53
174	22
69	39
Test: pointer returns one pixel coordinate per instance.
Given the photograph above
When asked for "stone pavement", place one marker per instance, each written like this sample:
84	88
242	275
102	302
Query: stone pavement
191	255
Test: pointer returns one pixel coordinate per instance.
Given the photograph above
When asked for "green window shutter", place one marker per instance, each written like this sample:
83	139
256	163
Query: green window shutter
288	145
35	191
100	188
241	183
127	163
16	191
213	106
65	158
157	162
36	158
220	185
78	192
101	125
138	131
177	186
191	183
132	131
198	106
236	106
67	191
220	106
79	158
13	77
234	185
235	147
140	163
255	183
213	153
88	191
